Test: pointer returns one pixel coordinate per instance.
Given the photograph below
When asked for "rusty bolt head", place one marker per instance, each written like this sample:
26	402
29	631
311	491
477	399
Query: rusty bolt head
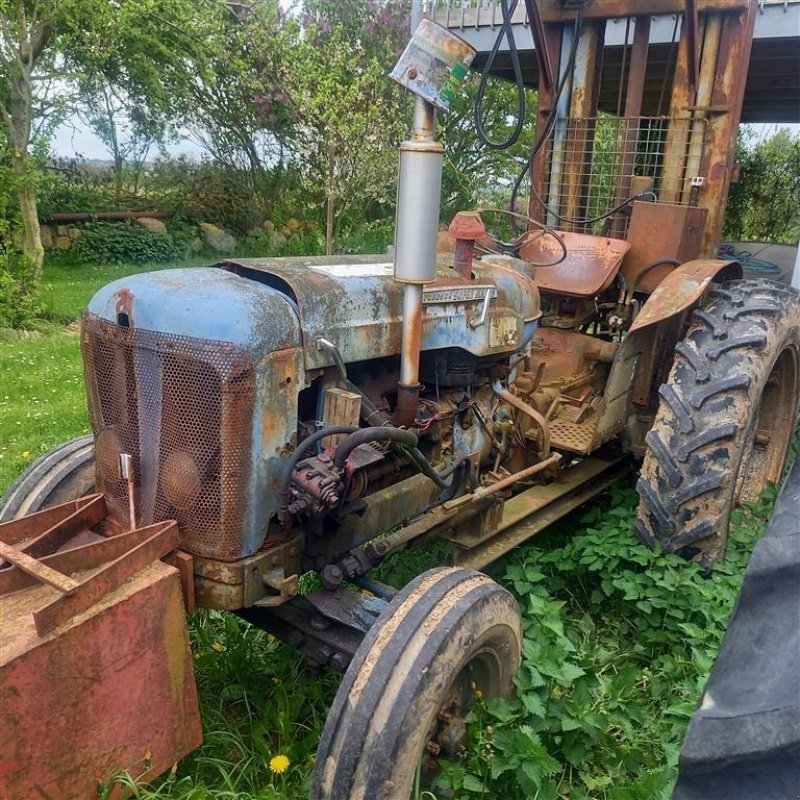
433	748
467	225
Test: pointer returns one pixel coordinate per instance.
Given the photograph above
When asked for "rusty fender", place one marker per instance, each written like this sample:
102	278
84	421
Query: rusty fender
682	288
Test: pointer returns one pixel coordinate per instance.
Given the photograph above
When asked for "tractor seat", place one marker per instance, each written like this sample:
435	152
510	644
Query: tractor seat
591	264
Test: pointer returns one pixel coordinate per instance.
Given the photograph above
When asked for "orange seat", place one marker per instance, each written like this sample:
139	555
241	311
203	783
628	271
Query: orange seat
591	264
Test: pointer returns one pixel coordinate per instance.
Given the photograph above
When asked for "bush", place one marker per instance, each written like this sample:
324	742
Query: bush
371	237
19	307
106	243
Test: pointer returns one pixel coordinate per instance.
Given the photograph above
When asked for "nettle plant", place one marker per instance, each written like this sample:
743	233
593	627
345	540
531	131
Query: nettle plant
618	644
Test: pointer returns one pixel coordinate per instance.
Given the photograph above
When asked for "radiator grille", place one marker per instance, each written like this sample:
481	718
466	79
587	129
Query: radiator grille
182	407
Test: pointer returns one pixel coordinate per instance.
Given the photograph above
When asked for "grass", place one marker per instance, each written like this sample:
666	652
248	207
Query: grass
618	641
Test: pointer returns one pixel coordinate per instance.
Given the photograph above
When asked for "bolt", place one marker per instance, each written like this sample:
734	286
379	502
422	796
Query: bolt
320	623
322	654
339	662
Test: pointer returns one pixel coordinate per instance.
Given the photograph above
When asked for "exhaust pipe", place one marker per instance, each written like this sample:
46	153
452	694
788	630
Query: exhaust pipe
419	187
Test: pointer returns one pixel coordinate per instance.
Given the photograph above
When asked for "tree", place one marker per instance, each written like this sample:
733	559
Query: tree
26	31
764	205
348	116
139	46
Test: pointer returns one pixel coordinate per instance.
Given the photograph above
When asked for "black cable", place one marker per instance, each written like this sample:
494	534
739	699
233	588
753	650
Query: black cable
507	31
590	220
550	122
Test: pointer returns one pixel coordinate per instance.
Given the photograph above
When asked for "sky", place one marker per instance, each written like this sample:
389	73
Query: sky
75	138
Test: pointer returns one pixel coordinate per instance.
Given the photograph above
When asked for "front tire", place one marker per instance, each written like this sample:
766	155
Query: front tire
62	474
447	637
725	420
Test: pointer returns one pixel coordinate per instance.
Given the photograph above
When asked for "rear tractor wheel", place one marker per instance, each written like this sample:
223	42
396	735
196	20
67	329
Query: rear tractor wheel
64	473
450	636
725	420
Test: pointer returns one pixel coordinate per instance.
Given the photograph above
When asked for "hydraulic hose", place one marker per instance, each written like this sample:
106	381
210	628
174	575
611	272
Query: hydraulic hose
361	436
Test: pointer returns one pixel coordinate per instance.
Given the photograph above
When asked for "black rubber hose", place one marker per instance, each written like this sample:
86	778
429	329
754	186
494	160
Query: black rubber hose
299	452
507	31
361	436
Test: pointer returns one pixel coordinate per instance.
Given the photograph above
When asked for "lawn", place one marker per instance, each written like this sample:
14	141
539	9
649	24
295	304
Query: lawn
618	640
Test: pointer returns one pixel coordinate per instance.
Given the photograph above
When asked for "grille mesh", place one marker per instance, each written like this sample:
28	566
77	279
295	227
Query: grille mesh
182	407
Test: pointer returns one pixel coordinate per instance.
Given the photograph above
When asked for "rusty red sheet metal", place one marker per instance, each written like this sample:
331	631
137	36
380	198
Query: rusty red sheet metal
111	690
95	670
592	263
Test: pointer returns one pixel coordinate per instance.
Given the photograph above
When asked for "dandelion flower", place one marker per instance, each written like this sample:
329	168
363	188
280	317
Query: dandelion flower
279	764
26	453
220	648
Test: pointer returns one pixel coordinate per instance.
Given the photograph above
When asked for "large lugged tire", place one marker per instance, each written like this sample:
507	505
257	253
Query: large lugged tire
725	419
64	473
446	637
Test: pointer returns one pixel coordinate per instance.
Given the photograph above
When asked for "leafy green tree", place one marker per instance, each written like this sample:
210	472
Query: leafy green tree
764	205
348	116
139	45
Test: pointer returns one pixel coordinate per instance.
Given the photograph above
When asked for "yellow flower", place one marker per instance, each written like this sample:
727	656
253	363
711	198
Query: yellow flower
26	453
220	648
279	764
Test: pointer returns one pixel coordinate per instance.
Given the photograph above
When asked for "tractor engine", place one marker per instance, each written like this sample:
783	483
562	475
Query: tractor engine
258	399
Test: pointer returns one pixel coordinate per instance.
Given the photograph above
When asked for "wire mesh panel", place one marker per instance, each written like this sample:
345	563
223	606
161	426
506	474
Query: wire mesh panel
182	408
595	164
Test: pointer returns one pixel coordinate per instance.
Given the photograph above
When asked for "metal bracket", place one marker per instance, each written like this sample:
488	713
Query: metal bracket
487	299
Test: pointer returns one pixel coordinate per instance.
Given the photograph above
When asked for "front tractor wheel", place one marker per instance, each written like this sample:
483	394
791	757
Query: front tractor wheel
450	636
725	420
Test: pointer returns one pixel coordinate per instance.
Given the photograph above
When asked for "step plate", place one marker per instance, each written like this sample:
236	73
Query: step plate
532	511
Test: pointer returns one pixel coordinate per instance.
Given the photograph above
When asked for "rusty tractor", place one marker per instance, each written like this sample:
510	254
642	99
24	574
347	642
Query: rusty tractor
260	419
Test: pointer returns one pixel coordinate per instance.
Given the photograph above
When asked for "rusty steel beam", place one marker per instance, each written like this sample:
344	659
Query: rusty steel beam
614	9
50	540
634	95
583	108
535	509
18	530
683	98
163	538
720	147
47	575
705	90
546	101
540	44
691	23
